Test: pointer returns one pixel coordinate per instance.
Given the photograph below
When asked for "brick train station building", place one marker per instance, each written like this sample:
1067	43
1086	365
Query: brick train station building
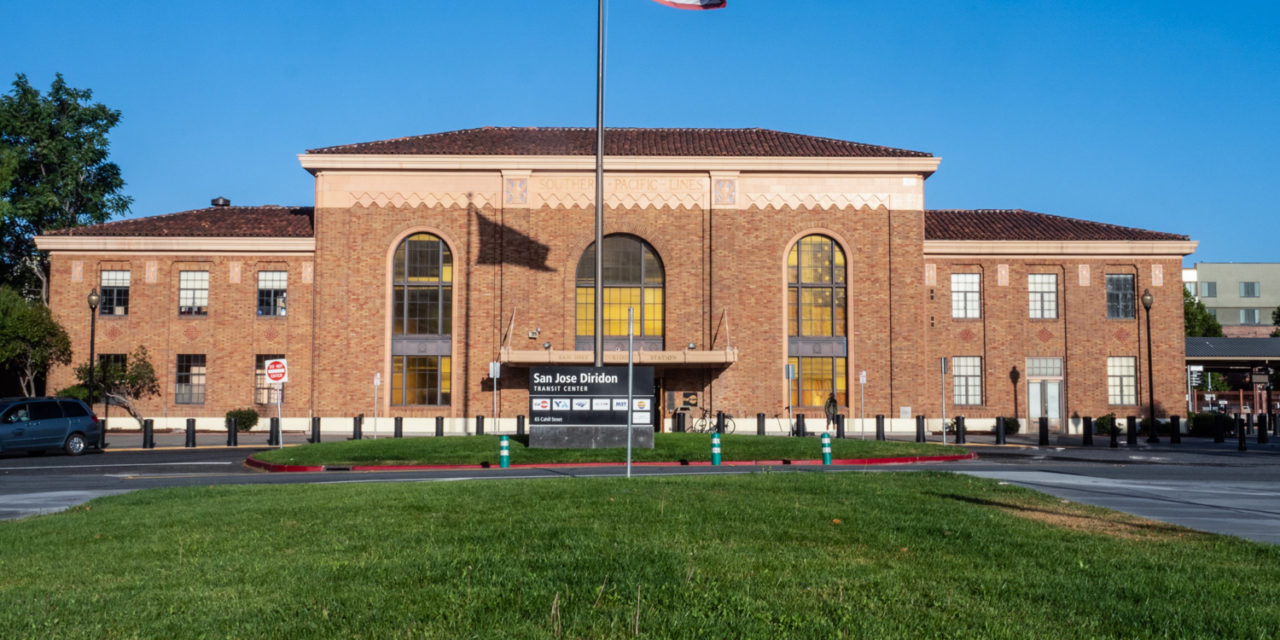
741	251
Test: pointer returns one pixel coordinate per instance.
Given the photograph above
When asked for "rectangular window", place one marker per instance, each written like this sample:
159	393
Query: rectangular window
816	377
1120	296
966	380
272	286
1122	379
966	292
114	300
1249	289
420	380
1044	367
1043	291
1208	289
1248	316
193	293
264	391
190	379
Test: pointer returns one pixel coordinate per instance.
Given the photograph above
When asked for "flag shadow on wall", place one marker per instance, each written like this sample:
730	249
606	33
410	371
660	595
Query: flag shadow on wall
500	244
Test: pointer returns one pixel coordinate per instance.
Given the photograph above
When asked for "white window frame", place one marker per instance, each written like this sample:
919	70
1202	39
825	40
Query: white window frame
966	380
193	293
1250	316
1250	290
275	283
1122	381
110	283
966	295
1042	294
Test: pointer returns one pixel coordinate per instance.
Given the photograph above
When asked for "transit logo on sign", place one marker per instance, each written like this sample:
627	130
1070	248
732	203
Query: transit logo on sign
277	370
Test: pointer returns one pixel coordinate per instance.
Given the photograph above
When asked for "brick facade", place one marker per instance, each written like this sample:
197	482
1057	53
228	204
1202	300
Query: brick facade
722	233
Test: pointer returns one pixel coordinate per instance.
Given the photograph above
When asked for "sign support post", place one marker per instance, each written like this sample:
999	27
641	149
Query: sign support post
862	403
377	382
944	400
495	369
789	372
630	368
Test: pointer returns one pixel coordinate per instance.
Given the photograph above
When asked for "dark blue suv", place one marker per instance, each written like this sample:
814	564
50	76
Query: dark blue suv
39	424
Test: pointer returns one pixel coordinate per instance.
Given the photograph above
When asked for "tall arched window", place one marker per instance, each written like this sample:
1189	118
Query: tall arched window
816	321
633	277
422	321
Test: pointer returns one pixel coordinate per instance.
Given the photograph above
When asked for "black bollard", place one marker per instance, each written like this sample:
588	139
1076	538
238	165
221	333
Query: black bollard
399	427
1175	429
357	428
191	432
1115	434
759	424
1262	428
879	427
520	425
439	426
315	429
1000	430
720	422
1087	436
1131	431
840	426
800	430
679	426
1248	424
1218	435
960	430
479	425
273	435
148	434
920	429
1241	446
1236	420
1044	431
232	436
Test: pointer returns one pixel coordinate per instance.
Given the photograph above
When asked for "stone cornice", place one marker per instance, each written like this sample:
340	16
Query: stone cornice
1081	248
133	244
316	163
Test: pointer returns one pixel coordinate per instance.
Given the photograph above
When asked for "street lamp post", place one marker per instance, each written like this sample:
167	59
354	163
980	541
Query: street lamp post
1151	390
93	334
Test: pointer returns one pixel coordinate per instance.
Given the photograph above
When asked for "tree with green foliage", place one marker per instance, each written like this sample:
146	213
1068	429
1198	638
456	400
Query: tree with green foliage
1197	321
30	339
54	174
1275	320
123	385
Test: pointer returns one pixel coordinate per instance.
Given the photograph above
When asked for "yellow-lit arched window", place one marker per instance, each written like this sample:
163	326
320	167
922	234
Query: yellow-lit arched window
817	320
421	321
632	278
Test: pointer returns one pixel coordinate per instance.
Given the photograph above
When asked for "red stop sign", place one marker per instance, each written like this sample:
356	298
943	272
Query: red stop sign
276	371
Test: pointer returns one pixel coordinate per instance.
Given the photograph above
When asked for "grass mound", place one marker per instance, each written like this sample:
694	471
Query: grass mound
798	555
668	447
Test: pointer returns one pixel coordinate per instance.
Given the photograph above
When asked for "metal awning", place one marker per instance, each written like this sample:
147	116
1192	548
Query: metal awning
679	359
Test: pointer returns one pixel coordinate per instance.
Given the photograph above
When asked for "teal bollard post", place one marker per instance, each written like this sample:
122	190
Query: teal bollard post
715	449
504	452
826	448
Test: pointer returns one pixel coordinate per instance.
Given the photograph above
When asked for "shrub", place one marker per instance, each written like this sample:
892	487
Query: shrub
76	391
246	419
1105	424
1202	424
1011	425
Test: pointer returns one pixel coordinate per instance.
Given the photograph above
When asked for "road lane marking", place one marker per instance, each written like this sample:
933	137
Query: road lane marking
100	466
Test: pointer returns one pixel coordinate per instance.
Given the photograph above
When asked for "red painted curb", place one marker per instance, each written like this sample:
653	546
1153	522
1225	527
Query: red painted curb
286	468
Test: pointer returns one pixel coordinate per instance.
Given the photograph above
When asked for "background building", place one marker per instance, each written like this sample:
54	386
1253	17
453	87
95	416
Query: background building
741	251
1241	295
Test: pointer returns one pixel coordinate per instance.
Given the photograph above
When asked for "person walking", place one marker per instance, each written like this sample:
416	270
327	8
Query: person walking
831	408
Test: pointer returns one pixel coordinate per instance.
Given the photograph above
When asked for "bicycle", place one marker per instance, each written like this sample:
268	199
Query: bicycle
706	423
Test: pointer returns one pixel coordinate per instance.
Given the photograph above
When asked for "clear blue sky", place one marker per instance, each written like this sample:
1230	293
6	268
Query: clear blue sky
1154	114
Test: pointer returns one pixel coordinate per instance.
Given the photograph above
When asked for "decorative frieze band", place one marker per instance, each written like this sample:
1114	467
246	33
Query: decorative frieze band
816	200
414	199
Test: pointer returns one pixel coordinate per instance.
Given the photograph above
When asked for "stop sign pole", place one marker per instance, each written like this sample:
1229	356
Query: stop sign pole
278	374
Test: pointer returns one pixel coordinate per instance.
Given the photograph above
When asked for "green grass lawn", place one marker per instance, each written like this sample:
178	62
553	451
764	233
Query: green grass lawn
766	555
668	447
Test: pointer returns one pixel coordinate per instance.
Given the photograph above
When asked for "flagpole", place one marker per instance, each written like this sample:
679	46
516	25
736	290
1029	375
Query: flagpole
599	291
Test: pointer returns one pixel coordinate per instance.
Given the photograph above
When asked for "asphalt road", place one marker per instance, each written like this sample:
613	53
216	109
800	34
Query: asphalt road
1201	486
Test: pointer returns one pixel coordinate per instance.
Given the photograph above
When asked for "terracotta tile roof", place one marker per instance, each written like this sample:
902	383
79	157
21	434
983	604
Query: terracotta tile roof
581	141
270	221
1016	224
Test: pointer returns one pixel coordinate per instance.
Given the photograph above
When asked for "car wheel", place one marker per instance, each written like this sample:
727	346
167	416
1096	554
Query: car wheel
75	445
